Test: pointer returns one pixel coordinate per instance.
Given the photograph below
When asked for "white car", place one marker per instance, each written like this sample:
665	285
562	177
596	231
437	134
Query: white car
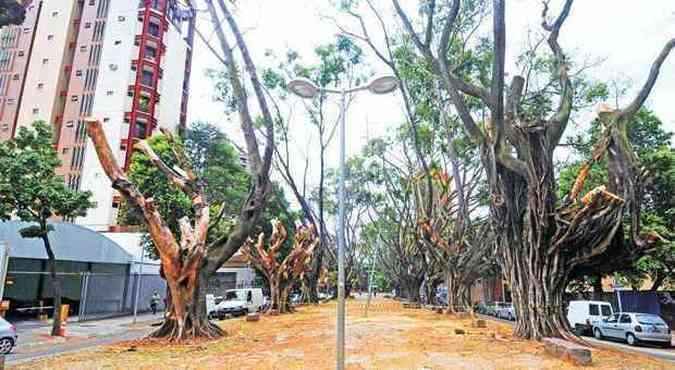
507	312
634	328
582	315
7	336
236	302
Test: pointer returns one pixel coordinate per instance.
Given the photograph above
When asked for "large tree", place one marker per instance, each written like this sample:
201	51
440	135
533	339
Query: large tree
652	145
188	260
541	240
282	273
31	191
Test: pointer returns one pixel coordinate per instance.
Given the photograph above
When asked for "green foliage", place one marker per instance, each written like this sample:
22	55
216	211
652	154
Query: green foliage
29	186
217	163
652	144
11	12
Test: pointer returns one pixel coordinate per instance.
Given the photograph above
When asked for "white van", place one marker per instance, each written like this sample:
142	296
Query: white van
582	315
236	302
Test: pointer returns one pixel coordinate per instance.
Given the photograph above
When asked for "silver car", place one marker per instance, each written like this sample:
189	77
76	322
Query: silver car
634	328
7	336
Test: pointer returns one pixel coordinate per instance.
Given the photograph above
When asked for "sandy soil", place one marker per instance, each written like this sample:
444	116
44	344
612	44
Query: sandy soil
389	338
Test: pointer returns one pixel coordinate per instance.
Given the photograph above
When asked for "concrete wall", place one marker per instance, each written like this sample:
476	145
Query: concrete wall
45	76
14	56
110	103
171	88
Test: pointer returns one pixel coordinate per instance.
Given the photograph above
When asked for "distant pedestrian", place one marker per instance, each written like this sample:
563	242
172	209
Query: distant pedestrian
154	302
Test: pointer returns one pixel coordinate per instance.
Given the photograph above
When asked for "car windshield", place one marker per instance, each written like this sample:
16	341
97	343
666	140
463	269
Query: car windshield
650	320
606	310
229	296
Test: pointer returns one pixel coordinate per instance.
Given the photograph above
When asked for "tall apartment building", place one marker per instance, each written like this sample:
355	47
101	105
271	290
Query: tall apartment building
126	62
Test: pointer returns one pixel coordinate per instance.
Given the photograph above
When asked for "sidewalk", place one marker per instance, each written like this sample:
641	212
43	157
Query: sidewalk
34	335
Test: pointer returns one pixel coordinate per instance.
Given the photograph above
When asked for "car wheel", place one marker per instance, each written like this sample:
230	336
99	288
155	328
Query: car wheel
597	333
665	345
511	317
630	338
6	345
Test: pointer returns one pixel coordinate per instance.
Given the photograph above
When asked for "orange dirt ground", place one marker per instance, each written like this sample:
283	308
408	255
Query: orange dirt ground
389	338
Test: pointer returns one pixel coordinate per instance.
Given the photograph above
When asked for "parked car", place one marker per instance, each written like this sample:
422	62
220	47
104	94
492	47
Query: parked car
8	336
634	328
493	308
236	302
506	312
480	308
582	315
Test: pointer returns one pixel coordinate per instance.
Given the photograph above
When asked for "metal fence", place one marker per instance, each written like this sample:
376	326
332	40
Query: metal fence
99	295
107	295
89	295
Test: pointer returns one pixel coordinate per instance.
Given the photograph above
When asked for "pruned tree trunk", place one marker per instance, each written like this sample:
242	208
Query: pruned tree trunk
183	262
281	275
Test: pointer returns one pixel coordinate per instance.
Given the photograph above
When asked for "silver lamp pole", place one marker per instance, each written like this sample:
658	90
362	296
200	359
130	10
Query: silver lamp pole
307	89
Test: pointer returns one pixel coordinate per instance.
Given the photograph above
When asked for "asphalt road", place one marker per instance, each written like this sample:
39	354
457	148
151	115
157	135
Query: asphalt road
643	349
57	349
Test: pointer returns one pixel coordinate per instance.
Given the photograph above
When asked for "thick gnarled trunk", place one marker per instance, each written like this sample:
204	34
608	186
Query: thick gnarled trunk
186	315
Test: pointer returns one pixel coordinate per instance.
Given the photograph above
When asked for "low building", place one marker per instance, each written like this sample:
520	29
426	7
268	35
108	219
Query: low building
79	251
102	274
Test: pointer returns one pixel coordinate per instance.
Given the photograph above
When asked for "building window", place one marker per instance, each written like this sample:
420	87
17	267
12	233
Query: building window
121	18
109	93
20	53
74	98
50	37
141	131
40	85
70	124
106	119
64	151
36	110
153	29
144	104
55	14
45	61
78	73
118	42
15	77
83	48
150	52
87	25
10	101
146	78
26	30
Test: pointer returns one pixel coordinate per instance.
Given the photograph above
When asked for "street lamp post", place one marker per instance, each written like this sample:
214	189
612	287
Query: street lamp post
307	89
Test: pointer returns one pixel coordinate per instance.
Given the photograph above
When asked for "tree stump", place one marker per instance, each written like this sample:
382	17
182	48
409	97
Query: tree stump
479	324
253	316
460	331
463	315
567	351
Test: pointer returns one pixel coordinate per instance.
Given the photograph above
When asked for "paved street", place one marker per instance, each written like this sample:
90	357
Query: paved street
656	352
34	340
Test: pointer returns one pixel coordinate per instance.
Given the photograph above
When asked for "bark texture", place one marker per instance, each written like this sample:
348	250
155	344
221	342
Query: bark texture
282	274
541	241
183	260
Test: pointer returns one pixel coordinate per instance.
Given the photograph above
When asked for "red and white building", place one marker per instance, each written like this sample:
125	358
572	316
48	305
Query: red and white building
126	62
